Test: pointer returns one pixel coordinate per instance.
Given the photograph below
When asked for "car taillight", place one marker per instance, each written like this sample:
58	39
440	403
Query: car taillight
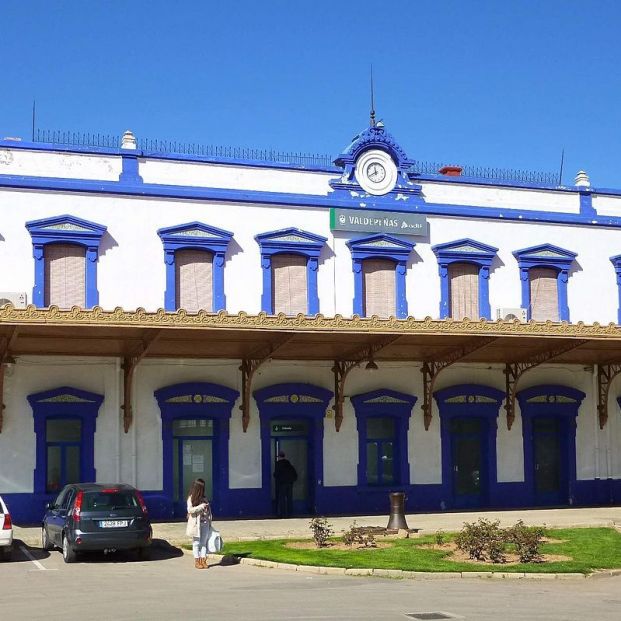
77	507
7	522
141	501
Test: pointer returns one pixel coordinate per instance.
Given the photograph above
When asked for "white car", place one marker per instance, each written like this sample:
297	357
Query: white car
6	532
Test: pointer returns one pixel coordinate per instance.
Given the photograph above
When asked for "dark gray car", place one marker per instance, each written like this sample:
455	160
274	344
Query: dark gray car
90	516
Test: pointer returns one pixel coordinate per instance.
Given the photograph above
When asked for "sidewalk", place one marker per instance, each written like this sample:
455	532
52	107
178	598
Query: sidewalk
244	530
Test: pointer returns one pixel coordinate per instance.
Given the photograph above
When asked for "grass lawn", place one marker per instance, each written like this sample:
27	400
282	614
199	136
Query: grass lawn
590	549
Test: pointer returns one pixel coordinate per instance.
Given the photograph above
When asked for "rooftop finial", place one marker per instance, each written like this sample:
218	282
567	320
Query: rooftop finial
372	122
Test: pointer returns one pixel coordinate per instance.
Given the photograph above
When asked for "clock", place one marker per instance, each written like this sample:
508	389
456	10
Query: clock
376	172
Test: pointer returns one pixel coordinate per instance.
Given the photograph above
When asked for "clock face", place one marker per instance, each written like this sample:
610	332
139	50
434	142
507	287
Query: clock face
376	172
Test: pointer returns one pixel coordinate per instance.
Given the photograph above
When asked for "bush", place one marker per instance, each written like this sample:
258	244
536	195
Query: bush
527	541
358	535
322	531
482	540
440	538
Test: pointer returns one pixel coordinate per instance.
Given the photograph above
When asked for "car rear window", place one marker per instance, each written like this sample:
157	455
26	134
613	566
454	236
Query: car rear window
108	501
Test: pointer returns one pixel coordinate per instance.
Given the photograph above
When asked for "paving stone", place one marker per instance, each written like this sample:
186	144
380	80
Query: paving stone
535	576
570	575
340	571
358	572
309	569
508	575
476	574
286	566
388	573
434	575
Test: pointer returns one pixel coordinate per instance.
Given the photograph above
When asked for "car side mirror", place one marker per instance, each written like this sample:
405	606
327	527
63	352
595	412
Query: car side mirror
48	505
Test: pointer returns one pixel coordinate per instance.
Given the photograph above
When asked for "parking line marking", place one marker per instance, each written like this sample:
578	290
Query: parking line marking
33	559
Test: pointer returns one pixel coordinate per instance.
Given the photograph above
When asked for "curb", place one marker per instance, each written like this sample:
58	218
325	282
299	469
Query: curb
400	574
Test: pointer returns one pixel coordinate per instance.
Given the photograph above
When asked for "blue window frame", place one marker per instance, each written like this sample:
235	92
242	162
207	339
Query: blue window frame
290	241
65	229
616	261
380	247
382	419
465	251
61	442
551	257
194	236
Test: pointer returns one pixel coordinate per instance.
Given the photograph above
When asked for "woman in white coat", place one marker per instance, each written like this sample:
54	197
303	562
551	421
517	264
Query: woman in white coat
199	522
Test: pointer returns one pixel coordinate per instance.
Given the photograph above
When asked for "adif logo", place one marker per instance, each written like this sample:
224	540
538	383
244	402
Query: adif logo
342	219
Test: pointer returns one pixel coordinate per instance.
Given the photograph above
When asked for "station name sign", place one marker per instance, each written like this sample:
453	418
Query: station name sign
373	221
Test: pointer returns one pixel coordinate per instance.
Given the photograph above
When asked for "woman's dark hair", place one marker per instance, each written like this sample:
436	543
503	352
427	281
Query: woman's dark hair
197	492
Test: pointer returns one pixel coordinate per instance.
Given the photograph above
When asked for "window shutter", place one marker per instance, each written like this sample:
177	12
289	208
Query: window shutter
194	271
65	275
289	284
464	290
543	294
378	277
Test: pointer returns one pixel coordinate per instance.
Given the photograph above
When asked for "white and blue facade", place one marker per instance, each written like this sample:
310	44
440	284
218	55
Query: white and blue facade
132	211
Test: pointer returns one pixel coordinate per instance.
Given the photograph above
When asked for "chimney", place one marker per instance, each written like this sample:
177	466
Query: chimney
451	171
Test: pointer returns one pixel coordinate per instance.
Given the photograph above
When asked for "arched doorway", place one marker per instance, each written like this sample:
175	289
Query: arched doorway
195	441
292	421
549	430
468	414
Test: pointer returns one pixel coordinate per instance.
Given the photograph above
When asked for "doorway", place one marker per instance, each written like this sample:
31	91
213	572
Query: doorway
291	436
192	458
467	437
549	476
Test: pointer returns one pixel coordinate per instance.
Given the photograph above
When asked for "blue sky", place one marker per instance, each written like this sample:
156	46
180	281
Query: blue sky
504	83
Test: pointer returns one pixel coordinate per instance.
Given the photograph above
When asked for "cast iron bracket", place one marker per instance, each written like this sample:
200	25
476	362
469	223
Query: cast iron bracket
431	369
248	367
605	374
342	368
514	371
129	366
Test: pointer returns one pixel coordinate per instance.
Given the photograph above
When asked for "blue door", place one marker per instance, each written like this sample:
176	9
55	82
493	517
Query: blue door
193	458
468	461
549	476
291	436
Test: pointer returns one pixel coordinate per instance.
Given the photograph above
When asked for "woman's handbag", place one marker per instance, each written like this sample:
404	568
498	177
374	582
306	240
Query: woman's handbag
214	541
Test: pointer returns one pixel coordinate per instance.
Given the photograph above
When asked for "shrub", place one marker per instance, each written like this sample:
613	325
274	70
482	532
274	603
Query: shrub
527	541
358	535
482	540
322	530
440	538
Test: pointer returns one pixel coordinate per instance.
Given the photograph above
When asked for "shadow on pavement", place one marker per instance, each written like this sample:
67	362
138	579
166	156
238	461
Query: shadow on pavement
19	556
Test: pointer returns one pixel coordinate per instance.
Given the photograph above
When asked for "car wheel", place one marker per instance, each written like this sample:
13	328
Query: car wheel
46	544
69	555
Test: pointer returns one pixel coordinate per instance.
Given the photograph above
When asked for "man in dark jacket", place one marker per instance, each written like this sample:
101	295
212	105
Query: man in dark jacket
284	476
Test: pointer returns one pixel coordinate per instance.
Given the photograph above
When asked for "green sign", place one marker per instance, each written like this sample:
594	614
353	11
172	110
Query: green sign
373	221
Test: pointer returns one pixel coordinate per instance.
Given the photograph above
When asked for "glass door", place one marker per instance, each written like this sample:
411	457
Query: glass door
291	438
192	458
547	461
467	461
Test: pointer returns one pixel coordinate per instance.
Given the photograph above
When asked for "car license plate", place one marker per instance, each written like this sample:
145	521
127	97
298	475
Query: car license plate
113	523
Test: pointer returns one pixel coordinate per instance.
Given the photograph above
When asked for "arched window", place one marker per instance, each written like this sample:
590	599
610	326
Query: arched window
66	251
544	272
290	260
194	254
464	267
379	265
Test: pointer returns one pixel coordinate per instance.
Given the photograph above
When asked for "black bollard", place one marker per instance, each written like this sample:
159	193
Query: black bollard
397	512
